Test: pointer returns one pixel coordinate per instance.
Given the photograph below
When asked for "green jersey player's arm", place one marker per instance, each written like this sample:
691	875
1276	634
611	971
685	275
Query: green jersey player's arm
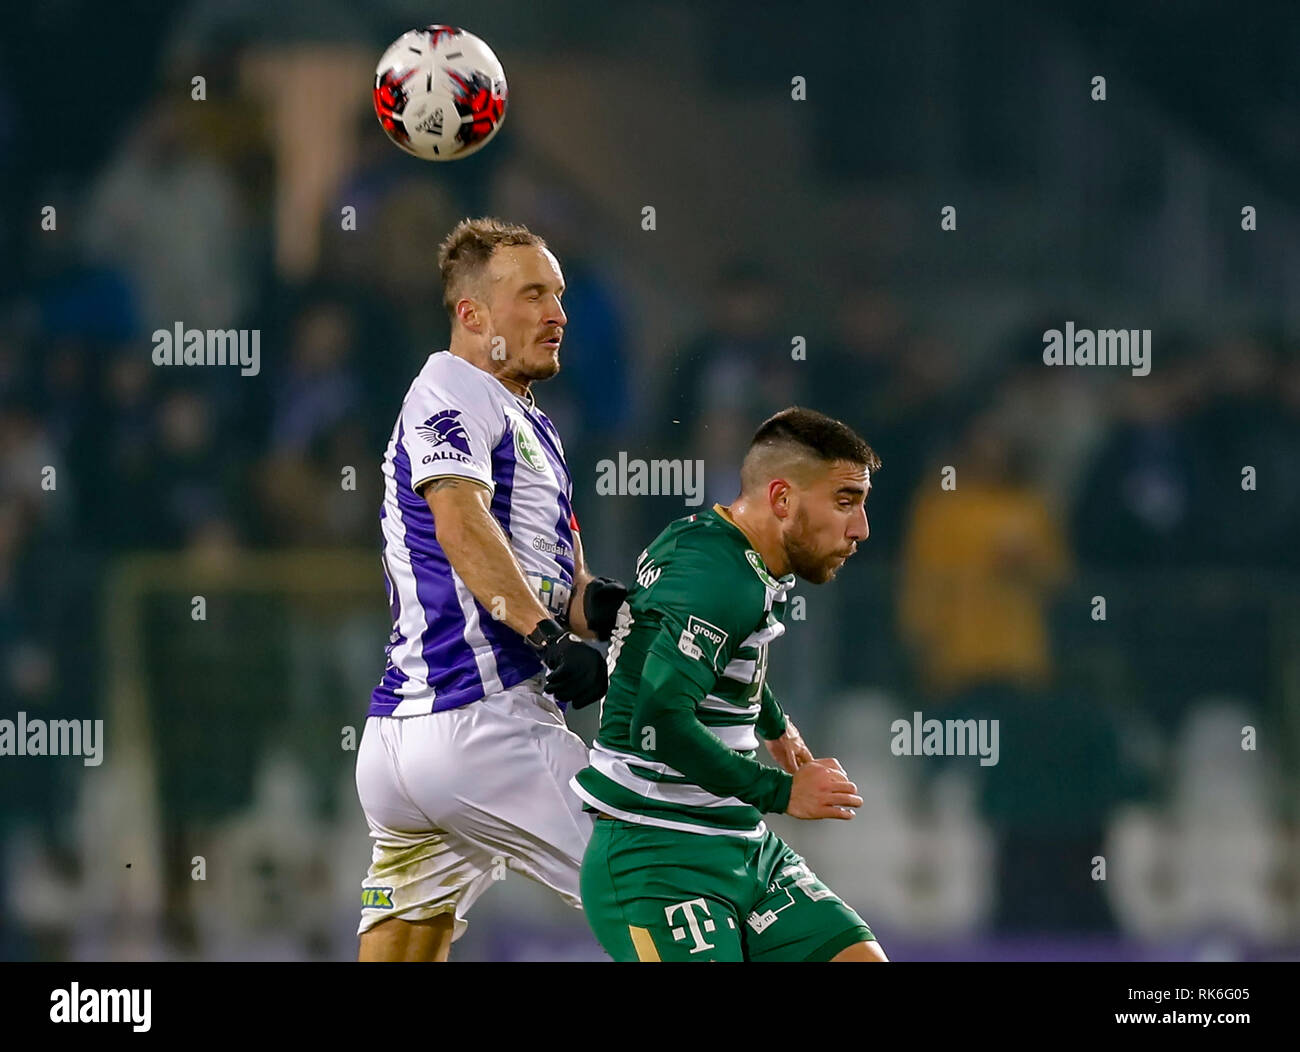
671	686
771	722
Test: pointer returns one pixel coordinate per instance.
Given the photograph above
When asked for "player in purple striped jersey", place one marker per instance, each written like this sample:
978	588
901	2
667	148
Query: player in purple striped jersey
464	764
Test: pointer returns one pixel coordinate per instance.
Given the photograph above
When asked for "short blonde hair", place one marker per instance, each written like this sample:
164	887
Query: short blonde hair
465	252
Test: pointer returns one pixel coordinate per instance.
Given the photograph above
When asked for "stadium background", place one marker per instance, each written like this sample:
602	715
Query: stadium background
775	219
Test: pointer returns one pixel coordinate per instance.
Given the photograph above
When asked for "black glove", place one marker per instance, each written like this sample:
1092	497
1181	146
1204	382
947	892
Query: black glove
578	675
601	600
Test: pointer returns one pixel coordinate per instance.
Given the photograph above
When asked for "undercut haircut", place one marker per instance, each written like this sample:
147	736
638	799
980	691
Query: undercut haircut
798	443
464	254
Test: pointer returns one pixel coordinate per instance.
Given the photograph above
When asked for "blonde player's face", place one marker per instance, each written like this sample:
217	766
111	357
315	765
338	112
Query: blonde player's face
524	309
828	520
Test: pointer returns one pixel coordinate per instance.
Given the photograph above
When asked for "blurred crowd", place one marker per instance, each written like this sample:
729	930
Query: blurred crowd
1008	488
1052	465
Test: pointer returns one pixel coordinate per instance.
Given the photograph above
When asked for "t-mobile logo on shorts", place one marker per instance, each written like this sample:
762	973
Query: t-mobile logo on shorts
692	923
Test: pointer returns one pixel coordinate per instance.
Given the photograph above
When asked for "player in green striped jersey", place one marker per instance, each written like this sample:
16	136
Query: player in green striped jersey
681	865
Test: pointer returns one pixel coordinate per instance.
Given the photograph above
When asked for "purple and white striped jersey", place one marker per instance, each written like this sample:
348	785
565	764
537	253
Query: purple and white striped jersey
446	650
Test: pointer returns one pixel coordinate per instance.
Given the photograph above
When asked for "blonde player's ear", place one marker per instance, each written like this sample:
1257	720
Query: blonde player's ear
467	314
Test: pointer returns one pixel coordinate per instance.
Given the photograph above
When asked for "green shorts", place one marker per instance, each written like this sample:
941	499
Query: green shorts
653	894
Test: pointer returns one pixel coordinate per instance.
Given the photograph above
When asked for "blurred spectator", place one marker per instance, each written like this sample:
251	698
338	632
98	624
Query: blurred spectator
981	562
27	453
159	200
1142	499
193	486
1059	777
897	387
1242	424
316	433
26	669
856	374
731	377
127	452
1055	415
320	388
1288	389
310	95
9	155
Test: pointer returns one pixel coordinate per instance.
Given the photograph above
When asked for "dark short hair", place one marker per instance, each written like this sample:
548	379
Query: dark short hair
467	249
822	436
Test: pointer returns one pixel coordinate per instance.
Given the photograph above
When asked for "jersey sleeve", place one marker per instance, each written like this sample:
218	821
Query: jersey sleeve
771	721
704	616
450	427
666	704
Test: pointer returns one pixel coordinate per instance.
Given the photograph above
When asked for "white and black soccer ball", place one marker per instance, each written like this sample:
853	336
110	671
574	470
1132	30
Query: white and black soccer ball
440	93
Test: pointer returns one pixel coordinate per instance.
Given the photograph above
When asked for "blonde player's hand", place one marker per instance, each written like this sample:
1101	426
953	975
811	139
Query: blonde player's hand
822	790
789	750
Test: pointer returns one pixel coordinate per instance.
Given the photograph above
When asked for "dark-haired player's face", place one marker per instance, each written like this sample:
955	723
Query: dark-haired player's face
526	319
829	518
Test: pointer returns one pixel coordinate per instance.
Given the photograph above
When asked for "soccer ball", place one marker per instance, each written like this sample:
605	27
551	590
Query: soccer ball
440	93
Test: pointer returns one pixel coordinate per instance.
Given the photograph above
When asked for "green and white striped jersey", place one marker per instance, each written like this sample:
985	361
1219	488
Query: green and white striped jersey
688	663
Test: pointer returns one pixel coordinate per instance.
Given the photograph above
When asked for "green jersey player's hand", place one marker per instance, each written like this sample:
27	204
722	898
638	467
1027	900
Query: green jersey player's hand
821	789
789	750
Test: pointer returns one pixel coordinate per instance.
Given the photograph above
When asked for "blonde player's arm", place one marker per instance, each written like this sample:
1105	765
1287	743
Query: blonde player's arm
479	551
581	578
595	602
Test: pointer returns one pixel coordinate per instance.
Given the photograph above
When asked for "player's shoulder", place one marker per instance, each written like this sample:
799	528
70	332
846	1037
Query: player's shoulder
710	555
446	373
450	386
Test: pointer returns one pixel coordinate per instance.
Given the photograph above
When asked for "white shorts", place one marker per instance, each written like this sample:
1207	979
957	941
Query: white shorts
455	798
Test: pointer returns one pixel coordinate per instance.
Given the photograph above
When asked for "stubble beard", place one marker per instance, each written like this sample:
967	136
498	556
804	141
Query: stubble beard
538	369
521	369
805	561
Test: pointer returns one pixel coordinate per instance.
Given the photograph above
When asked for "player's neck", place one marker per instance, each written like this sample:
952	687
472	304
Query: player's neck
763	532
516	387
481	358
